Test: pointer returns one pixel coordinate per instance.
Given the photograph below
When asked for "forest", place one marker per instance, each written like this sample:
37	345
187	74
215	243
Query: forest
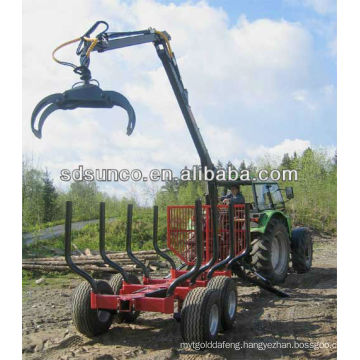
43	204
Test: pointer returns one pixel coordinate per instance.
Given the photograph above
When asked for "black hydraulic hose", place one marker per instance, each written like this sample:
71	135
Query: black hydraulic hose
231	245
199	250
215	249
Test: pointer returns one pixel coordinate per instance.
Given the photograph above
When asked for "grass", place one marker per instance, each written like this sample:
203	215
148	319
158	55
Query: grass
55	279
88	237
42	226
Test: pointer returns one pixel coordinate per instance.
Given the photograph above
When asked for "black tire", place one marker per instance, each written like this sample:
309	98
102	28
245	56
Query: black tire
86	320
301	250
116	284
200	315
270	252
228	299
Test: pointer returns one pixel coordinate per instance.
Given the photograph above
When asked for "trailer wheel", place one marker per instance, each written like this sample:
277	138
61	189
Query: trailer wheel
270	252
228	299
88	321
200	315
301	250
116	284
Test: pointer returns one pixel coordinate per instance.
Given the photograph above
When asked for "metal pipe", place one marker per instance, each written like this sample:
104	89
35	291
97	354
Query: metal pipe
231	245
73	267
102	245
215	250
193	273
263	283
128	242
247	238
155	239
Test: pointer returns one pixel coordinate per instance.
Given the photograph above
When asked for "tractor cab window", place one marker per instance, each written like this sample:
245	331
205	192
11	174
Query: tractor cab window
268	196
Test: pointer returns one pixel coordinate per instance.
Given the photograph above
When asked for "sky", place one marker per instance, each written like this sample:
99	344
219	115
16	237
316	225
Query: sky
261	77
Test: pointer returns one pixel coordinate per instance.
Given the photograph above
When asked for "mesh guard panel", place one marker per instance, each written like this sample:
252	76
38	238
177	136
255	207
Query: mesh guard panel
181	232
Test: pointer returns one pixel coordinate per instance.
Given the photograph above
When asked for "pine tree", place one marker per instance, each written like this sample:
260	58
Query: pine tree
242	165
49	196
286	161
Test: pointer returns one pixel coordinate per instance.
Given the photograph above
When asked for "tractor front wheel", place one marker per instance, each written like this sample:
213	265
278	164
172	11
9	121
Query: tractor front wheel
270	252
301	250
90	322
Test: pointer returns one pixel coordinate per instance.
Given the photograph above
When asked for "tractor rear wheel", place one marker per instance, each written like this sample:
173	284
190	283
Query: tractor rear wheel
228	299
116	283
270	252
200	315
90	322
301	250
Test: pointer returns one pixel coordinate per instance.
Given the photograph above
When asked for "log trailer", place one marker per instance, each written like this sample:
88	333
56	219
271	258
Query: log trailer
212	240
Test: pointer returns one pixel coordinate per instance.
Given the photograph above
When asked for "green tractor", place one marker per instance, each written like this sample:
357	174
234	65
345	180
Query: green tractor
273	241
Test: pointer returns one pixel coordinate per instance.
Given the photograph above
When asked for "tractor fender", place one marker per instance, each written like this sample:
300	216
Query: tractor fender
265	218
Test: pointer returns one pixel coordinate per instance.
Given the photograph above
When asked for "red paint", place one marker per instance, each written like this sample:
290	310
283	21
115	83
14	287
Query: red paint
181	232
151	294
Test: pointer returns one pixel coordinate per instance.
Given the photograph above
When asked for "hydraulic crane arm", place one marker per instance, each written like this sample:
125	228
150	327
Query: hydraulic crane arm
160	40
112	41
89	95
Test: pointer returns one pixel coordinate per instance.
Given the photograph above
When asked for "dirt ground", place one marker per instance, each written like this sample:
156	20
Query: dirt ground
300	327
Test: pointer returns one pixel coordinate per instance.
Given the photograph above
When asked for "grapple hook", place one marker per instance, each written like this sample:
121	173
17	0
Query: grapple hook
84	96
84	73
89	32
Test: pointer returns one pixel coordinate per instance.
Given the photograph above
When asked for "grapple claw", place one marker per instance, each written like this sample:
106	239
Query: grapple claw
49	100
85	96
118	99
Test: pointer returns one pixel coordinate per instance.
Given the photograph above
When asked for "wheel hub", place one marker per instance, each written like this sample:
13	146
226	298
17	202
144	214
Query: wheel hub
103	315
278	254
214	319
232	304
275	252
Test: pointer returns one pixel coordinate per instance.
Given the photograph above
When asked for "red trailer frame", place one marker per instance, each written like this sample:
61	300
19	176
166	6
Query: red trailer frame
154	294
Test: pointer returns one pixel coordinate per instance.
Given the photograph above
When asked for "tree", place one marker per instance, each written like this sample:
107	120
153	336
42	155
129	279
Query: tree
49	196
219	165
85	197
242	165
335	159
32	201
286	161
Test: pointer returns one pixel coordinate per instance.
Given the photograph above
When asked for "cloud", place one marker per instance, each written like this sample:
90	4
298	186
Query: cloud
322	7
238	76
275	153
